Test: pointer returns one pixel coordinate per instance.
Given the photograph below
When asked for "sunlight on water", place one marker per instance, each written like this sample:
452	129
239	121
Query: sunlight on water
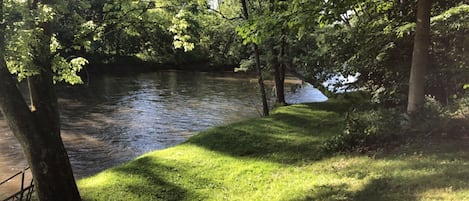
306	93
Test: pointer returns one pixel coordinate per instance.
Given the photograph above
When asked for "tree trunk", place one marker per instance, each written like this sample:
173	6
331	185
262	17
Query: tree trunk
260	80
279	76
38	131
41	143
401	8
420	57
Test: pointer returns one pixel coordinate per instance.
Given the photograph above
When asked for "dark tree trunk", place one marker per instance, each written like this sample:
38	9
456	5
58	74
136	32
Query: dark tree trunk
420	57
38	131
260	80
401	8
279	76
41	143
279	84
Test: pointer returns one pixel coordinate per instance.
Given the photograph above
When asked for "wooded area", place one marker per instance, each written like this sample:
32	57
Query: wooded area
410	58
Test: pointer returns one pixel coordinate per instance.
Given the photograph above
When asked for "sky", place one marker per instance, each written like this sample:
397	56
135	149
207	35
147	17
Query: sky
213	4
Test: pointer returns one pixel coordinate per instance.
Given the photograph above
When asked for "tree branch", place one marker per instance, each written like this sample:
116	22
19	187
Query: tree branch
313	82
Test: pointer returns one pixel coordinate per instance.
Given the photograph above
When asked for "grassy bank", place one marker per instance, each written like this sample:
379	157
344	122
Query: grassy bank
279	158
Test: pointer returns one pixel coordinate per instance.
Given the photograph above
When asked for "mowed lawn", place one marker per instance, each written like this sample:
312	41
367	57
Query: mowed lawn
279	158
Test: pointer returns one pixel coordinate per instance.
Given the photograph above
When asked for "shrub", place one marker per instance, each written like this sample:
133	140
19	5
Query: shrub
435	119
461	108
367	130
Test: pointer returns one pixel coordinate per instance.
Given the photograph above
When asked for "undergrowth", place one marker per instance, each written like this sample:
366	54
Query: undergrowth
373	128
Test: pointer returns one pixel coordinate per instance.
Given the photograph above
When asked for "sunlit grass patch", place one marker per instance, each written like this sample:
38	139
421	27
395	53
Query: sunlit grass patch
279	158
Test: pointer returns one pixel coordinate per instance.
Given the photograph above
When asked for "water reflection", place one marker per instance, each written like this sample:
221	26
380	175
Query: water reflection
304	93
114	119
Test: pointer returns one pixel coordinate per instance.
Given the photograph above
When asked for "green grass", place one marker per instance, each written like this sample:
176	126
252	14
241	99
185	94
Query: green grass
278	158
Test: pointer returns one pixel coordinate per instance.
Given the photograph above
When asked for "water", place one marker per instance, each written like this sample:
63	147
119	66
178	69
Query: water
113	119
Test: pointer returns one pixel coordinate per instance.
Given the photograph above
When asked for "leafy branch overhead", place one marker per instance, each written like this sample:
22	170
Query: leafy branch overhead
22	42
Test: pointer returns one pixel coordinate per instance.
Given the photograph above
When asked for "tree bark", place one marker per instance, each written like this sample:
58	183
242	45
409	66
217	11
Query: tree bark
42	145
279	76
260	80
38	131
420	57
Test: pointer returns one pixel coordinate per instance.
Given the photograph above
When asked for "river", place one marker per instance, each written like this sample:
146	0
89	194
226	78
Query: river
113	119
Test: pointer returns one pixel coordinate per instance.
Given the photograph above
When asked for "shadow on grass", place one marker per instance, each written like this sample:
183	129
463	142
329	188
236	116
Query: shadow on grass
447	180
142	179
291	135
394	188
153	173
430	176
327	192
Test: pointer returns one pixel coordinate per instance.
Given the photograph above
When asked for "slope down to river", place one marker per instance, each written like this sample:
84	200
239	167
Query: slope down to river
278	158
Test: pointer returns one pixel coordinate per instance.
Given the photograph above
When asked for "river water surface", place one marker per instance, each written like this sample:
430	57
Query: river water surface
113	119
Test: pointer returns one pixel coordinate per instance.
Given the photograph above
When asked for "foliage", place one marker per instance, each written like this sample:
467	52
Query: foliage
179	27
370	127
461	109
22	40
319	39
432	113
68	71
165	32
104	31
368	130
449	70
436	119
374	40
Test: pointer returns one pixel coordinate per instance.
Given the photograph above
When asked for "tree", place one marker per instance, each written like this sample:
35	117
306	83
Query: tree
260	80
38	130
420	56
277	43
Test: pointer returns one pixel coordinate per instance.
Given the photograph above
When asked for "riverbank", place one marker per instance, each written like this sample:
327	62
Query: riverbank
124	65
279	158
